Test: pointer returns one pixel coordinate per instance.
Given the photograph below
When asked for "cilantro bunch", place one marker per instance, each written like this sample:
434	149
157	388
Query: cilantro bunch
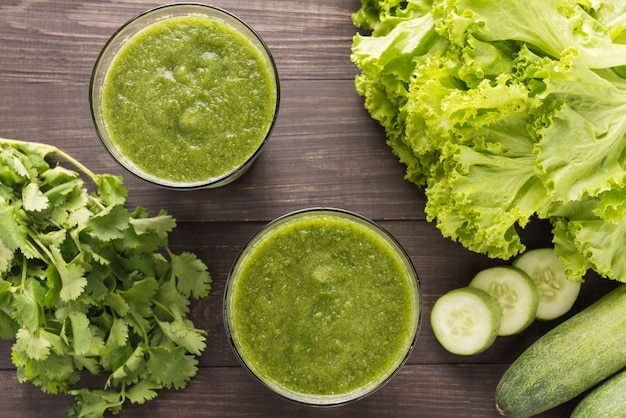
87	286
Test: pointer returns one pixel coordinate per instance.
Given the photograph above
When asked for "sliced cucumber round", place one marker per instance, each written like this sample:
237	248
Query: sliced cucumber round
465	321
557	293
515	293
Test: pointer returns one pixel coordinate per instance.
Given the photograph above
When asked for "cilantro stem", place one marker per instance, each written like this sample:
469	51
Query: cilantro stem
50	149
96	201
144	333
163	307
24	274
42	251
77	164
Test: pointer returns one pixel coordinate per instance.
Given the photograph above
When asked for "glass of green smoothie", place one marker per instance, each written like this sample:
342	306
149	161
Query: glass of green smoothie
185	96
322	306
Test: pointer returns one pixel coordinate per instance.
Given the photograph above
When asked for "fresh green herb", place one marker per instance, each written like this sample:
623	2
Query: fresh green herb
87	286
506	111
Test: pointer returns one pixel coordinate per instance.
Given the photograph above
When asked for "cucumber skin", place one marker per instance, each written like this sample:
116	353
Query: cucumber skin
607	400
567	360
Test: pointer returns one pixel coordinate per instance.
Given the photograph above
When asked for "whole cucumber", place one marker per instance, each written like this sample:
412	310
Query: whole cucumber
607	400
567	360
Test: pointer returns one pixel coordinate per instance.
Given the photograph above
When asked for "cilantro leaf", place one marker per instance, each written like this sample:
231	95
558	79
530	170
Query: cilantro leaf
160	225
93	403
12	233
108	224
89	363
8	177
183	333
97	280
81	335
72	276
116	302
132	367
170	297
143	243
192	274
141	291
55	374
28	303
54	284
142	391
143	263
118	333
56	176
33	343
171	367
34	199
111	189
68	195
18	167
8	326
6	257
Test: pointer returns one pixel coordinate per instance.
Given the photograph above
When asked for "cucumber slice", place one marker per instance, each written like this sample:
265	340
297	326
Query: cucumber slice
515	293
557	294
465	321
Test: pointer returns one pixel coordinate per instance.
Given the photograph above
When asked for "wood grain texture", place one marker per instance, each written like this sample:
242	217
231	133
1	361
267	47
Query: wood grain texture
416	391
325	151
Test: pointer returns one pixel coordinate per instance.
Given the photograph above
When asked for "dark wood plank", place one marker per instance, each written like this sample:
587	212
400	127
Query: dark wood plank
316	132
60	40
416	391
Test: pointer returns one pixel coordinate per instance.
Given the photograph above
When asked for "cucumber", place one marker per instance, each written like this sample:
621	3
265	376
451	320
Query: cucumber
557	294
465	321
515	293
568	360
606	401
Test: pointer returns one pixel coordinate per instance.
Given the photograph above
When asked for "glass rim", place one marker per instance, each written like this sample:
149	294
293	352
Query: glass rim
202	8
417	300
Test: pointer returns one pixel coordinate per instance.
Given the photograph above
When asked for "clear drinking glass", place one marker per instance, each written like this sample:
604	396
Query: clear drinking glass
125	34
273	303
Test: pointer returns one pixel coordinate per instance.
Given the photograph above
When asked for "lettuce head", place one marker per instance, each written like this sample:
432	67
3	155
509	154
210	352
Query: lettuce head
504	112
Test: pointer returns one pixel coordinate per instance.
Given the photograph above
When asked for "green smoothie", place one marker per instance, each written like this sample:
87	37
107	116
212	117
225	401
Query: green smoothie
323	307
189	99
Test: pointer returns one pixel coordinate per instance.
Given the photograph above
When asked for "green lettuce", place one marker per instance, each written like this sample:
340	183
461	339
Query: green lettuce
505	112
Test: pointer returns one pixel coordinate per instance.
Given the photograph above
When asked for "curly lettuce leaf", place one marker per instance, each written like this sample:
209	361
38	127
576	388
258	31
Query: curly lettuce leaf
486	188
380	16
387	63
590	244
505	111
584	141
552	26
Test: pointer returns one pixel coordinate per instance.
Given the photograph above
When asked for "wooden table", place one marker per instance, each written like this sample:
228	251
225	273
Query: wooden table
325	151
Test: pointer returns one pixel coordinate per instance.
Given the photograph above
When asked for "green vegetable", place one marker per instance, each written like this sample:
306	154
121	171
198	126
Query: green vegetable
86	285
505	112
568	360
465	321
606	401
515	293
557	294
